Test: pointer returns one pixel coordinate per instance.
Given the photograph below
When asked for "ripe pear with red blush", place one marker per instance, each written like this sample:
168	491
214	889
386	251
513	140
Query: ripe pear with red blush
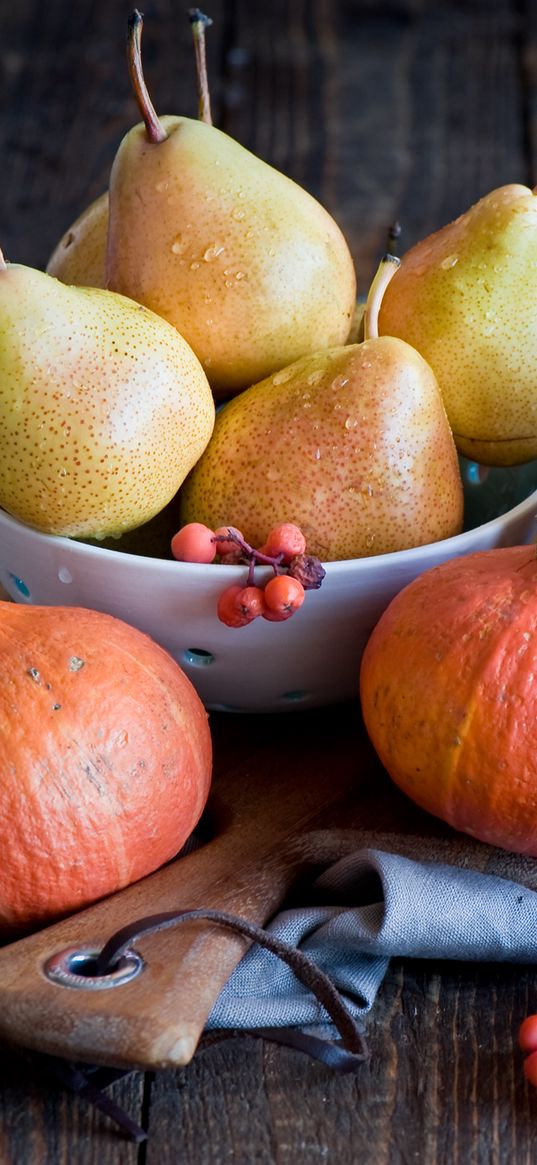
351	444
466	298
246	264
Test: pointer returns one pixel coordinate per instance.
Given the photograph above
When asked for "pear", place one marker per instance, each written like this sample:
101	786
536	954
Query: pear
104	407
249	267
466	298
80	256
356	333
152	540
352	444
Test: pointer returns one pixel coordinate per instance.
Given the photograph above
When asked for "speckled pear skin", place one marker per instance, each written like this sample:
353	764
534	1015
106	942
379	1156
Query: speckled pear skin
249	267
152	540
352	444
466	298
104	407
80	256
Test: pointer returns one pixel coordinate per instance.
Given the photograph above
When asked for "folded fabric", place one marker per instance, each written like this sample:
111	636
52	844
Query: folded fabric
374	905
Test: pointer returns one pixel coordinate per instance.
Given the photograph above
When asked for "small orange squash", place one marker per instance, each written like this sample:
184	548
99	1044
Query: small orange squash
449	694
105	759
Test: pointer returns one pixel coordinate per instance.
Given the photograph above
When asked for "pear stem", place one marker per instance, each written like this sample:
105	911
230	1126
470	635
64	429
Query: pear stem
3	264
386	270
394	236
199	22
155	131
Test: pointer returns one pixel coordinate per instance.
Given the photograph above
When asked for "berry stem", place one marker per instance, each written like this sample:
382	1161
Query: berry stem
385	273
199	22
154	129
253	556
268	560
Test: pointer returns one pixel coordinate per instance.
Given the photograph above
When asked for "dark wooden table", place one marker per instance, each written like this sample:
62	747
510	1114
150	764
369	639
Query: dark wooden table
402	109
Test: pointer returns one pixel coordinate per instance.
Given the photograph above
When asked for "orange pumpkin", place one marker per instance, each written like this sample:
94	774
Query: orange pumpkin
449	694
105	759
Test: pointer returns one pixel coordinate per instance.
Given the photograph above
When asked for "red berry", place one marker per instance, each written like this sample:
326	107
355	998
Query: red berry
193	543
283	595
238	605
225	545
227	609
275	616
285	539
527	1034
530	1068
250	602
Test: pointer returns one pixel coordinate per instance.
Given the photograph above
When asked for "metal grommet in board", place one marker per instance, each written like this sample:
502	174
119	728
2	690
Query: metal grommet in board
73	967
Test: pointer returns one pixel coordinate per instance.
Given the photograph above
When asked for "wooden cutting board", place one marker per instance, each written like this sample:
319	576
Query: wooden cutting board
276	780
291	794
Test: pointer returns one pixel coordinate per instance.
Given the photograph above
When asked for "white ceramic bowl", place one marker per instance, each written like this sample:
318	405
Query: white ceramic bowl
310	660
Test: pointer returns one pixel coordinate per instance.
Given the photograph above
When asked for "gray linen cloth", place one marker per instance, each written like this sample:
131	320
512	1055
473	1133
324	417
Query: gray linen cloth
373	905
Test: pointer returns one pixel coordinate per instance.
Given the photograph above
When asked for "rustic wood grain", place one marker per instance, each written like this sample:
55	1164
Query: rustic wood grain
385	109
40	1124
406	111
444	1085
528	56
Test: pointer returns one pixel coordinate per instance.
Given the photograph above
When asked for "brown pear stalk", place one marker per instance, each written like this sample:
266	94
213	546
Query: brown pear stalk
154	128
199	22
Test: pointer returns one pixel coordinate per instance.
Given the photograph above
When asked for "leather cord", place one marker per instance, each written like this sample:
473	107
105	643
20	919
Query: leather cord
340	1059
89	1081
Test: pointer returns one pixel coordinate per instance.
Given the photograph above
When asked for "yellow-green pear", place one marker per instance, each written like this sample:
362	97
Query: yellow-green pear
152	540
104	407
352	444
249	267
80	256
466	298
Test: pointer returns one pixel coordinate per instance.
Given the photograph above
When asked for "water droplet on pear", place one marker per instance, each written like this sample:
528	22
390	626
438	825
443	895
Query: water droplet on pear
283	376
213	252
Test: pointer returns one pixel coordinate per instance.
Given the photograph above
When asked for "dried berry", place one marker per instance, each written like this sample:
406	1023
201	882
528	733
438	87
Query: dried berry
308	570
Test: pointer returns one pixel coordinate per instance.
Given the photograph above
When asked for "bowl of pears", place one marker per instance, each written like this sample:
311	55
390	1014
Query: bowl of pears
204	436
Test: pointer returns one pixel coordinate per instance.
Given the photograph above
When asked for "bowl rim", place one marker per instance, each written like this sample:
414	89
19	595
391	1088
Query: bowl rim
425	550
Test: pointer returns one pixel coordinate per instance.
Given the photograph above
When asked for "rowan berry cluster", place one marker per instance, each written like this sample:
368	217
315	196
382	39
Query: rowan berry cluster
295	572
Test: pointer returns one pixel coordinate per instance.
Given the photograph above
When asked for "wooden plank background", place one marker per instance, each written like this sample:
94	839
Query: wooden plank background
396	109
